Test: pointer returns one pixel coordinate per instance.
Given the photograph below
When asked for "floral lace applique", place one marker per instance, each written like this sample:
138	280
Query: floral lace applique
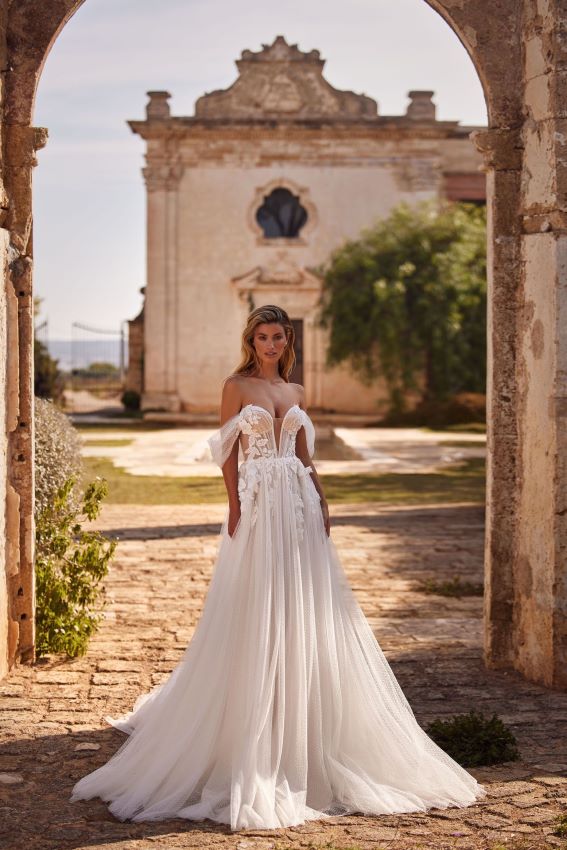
258	441
248	484
265	466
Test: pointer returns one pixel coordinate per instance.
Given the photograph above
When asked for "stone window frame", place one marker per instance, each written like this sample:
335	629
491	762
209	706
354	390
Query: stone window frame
302	192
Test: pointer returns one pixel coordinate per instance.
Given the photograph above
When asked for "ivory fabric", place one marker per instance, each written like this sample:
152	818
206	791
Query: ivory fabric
283	707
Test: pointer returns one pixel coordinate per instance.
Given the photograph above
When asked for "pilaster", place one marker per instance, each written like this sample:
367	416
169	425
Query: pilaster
161	298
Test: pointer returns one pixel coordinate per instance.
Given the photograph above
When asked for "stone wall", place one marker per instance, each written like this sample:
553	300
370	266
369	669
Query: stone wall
134	379
5	556
540	569
27	32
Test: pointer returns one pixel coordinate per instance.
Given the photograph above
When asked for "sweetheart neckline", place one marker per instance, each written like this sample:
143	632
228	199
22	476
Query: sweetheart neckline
273	418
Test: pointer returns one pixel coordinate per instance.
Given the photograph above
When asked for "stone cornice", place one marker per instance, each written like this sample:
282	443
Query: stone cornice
417	165
395	128
22	143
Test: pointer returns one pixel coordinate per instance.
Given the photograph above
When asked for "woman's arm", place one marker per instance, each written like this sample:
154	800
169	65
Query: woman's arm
230	406
303	454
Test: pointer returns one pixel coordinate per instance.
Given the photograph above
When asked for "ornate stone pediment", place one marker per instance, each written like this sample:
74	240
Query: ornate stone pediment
283	82
281	272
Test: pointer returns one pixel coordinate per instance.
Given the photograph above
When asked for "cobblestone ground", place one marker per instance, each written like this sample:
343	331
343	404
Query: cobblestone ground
53	732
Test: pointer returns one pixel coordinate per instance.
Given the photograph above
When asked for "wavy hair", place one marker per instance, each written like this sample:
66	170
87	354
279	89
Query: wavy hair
250	362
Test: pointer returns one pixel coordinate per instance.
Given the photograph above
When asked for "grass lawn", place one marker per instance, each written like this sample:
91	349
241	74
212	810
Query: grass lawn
462	444
458	484
96	429
464	483
110	442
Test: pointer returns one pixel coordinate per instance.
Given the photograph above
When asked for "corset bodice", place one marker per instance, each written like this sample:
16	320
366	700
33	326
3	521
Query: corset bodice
255	427
258	432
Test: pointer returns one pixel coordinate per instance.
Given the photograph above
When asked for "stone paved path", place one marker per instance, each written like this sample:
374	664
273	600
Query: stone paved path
52	730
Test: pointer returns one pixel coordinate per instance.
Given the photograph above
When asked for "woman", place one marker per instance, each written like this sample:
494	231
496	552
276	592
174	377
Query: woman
283	708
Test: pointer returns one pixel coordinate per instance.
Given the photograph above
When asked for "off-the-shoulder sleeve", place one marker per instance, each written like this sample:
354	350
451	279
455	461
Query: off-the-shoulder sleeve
309	433
222	441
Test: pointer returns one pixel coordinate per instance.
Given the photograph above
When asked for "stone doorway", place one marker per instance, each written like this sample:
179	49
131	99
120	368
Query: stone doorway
517	52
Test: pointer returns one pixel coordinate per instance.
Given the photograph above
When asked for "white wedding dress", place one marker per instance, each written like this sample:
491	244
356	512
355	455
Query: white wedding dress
283	708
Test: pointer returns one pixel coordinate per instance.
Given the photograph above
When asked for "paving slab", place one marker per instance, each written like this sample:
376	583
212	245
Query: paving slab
52	728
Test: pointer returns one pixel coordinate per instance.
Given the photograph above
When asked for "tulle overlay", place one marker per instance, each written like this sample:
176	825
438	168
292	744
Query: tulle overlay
283	708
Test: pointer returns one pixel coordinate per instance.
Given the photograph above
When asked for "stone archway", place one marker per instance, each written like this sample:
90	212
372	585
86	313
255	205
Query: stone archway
517	52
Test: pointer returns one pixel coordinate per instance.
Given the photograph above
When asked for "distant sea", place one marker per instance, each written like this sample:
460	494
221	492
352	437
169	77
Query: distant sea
77	354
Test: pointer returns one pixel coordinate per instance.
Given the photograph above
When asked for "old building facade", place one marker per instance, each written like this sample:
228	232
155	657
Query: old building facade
249	196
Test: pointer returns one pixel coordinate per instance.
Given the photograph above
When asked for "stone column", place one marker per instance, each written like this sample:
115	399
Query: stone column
21	143
502	150
161	298
526	557
162	176
540	623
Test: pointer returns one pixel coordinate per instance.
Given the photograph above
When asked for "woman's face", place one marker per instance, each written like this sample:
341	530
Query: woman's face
269	341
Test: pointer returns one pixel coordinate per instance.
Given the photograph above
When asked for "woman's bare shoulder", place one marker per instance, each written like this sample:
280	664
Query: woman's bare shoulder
237	383
233	380
232	390
231	399
300	393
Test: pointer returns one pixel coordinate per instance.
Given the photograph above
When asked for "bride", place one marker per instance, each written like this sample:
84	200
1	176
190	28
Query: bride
283	708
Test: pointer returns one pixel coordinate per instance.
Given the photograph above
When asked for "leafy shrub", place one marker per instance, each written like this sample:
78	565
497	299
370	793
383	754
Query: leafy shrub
561	826
57	452
474	739
458	409
49	381
474	427
70	564
131	399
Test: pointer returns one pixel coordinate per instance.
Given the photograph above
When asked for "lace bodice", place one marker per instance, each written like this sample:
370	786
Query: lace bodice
269	464
256	428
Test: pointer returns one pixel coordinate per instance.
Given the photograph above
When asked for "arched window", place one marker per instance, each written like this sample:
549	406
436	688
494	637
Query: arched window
281	215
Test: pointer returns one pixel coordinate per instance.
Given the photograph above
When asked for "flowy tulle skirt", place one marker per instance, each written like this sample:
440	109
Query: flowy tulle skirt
283	708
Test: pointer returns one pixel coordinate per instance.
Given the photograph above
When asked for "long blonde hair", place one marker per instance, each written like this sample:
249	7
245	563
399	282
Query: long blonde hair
268	314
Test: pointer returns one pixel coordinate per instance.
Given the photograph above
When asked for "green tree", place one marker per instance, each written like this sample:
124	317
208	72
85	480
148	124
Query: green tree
407	300
101	367
48	379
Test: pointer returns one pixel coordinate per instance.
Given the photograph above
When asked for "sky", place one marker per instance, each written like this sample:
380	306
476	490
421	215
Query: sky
89	196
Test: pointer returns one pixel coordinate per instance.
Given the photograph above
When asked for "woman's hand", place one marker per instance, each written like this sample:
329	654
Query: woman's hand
233	520
326	518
